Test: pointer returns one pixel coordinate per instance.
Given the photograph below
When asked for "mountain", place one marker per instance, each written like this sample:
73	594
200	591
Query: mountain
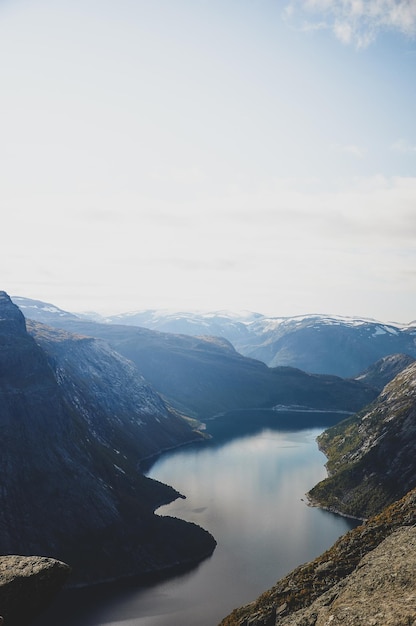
320	344
233	326
74	431
41	311
332	345
372	455
205	376
366	577
325	344
116	401
384	370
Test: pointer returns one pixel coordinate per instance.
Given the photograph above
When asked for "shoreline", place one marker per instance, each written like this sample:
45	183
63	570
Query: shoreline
314	503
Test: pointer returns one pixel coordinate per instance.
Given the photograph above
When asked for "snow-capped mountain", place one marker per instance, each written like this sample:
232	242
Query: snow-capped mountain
322	344
316	343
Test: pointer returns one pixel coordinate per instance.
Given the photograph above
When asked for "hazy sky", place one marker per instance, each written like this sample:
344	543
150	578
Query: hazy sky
210	154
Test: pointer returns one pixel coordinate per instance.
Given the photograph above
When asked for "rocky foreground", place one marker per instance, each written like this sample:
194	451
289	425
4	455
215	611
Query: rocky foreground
27	586
367	577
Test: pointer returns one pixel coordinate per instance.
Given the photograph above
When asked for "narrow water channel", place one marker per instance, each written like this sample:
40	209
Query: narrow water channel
246	486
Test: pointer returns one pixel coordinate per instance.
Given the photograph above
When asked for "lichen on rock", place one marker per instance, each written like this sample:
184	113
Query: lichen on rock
27	586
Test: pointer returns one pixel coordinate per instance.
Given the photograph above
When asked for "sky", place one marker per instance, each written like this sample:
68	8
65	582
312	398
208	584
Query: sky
210	155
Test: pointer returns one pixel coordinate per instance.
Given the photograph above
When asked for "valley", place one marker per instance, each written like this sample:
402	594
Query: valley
87	405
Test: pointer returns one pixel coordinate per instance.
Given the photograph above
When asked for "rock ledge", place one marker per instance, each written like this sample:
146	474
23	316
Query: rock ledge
27	585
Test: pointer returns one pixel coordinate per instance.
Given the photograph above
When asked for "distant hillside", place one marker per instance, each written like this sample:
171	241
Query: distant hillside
372	455
384	370
204	376
321	344
332	345
76	419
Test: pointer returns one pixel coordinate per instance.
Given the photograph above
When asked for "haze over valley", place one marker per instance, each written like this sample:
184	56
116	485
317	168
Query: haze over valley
208	312
101	397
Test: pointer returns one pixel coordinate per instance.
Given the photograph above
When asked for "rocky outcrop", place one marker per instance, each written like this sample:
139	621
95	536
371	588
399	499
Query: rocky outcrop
27	586
381	591
335	588
372	455
70	485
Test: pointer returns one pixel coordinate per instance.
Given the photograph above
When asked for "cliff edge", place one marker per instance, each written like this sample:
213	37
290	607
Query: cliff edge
325	591
27	586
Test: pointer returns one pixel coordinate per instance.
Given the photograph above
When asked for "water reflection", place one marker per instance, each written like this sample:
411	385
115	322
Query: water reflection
247	492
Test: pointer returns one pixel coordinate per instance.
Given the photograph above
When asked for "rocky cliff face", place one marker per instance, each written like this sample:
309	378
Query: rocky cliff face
116	402
380	591
372	455
27	586
70	487
367	577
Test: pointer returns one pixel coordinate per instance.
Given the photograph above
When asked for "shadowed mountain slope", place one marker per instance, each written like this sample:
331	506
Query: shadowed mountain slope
322	344
70	485
204	376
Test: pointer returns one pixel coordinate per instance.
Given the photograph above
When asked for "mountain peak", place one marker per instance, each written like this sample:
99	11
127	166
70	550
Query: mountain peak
11	318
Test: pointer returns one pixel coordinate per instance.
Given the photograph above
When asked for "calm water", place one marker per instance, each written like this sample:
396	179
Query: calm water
248	491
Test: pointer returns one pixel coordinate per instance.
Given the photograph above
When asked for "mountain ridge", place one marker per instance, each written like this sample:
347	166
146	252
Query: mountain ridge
372	455
316	343
70	487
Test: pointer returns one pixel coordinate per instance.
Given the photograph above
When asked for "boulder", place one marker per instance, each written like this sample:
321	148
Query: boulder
27	586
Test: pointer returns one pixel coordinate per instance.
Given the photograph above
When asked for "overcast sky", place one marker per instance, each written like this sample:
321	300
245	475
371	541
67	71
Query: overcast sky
210	154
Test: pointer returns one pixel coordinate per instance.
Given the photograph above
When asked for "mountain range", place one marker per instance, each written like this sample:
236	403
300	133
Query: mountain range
202	376
320	344
85	402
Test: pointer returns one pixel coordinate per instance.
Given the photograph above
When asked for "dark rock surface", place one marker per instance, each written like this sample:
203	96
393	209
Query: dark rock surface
70	485
27	586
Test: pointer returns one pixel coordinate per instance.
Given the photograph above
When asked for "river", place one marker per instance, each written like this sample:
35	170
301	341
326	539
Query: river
246	486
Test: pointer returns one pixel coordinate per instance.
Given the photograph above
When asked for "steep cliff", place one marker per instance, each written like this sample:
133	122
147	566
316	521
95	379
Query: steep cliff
372	455
114	399
70	487
357	581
